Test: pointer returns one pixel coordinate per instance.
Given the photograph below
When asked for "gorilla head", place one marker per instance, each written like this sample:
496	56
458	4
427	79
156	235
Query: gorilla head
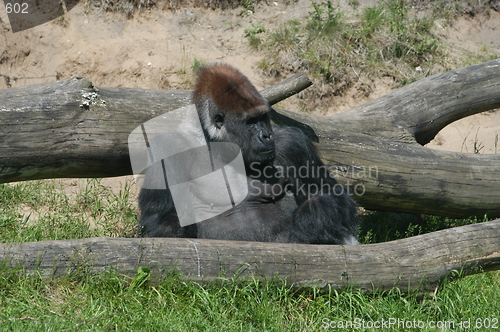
232	110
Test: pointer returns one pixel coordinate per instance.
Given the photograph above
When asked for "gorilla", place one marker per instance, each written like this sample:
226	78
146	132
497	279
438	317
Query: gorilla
290	195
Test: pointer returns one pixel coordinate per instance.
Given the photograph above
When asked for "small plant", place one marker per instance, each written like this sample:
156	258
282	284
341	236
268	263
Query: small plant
477	146
197	64
62	21
252	34
141	278
248	5
353	3
286	36
325	19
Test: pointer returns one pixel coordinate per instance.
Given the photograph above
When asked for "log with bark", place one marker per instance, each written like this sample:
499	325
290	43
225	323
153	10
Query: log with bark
73	129
419	262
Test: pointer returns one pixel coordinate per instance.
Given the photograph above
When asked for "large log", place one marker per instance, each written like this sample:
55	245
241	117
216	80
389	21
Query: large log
419	262
72	129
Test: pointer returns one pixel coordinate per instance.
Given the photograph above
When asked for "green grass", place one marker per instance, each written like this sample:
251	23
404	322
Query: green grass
51	214
41	210
384	39
385	226
342	49
197	64
108	302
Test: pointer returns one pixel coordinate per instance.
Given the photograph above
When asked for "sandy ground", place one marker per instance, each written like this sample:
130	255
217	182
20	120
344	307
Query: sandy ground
480	130
155	49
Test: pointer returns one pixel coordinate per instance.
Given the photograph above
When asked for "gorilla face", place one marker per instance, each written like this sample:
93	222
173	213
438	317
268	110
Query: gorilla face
252	132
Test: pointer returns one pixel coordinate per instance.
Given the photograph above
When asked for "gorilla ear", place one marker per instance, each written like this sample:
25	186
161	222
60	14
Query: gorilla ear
219	120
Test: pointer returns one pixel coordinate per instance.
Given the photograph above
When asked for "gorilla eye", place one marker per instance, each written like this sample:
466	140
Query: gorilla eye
257	119
219	120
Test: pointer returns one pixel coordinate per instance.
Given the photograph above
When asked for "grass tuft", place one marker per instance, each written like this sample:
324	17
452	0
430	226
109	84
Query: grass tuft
341	50
41	210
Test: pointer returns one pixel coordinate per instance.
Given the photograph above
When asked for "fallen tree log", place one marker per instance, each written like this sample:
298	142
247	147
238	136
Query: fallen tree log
73	129
419	262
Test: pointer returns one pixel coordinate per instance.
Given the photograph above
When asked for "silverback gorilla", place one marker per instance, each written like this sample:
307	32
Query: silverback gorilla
291	195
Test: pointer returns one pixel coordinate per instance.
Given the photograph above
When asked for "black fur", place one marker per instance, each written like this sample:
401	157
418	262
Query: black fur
281	208
283	203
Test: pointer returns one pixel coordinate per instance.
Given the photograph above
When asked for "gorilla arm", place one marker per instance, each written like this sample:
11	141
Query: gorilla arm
295	200
325	213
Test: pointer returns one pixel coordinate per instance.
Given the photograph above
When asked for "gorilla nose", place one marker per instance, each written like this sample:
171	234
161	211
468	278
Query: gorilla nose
266	137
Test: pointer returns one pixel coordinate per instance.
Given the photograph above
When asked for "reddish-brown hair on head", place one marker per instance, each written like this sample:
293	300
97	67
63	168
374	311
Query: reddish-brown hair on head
228	88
